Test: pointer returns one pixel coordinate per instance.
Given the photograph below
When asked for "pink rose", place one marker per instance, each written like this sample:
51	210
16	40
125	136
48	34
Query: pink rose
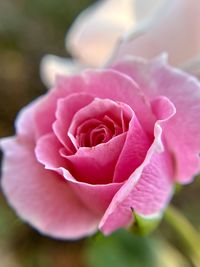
101	145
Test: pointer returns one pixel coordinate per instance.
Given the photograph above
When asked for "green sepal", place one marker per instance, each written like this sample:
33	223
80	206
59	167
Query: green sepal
144	225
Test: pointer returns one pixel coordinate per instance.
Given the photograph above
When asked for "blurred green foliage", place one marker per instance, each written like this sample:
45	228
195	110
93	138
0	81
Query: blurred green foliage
123	249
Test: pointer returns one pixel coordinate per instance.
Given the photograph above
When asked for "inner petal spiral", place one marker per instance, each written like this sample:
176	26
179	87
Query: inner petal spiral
99	122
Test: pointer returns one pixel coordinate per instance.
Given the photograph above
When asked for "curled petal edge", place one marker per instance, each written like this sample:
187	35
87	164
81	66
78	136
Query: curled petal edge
108	223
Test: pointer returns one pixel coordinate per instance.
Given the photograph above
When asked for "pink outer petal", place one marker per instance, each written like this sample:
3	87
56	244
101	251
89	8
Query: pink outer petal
134	151
37	118
44	113
182	132
97	197
24	123
44	108
174	30
149	188
112	85
66	109
41	197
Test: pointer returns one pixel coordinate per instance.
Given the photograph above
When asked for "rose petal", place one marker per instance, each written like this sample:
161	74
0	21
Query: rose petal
97	29
47	152
112	85
44	111
133	152
90	165
157	78
41	197
101	134
24	123
97	197
174	30
97	109
51	66
149	197
66	109
102	84
193	66
148	189
96	165
143	9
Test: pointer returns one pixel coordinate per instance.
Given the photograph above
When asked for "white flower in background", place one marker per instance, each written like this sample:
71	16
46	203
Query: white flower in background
94	35
51	66
130	27
175	30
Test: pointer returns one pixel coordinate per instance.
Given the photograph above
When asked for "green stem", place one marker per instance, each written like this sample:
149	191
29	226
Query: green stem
189	237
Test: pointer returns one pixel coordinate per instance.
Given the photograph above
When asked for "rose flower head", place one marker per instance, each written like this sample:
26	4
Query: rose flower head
103	146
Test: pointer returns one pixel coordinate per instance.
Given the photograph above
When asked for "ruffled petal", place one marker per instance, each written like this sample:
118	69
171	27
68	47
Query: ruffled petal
133	152
149	188
96	165
90	165
87	162
112	85
83	120
41	197
66	109
101	83
156	78
47	152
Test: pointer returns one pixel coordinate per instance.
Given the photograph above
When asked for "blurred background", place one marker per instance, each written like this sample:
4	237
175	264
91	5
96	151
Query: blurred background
29	29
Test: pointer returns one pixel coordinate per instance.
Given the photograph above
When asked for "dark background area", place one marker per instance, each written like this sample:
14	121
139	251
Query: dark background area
29	29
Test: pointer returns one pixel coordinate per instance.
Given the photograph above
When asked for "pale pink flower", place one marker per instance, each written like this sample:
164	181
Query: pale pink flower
140	28
103	145
174	30
94	35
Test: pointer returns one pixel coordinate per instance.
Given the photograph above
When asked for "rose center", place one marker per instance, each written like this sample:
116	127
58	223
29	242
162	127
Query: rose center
99	122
